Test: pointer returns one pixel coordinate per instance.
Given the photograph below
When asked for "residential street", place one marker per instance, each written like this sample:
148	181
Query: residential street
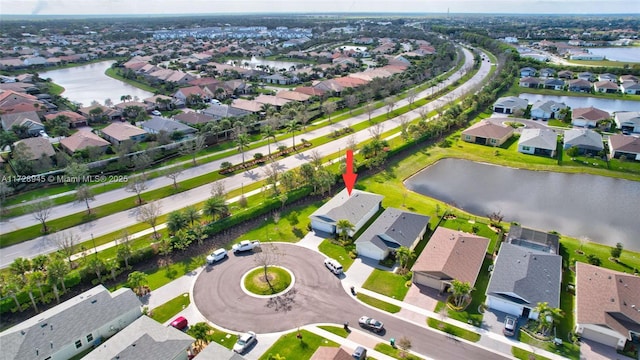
124	219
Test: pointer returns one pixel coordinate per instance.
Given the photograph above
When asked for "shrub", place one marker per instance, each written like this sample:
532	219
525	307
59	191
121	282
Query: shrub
594	260
258	156
225	165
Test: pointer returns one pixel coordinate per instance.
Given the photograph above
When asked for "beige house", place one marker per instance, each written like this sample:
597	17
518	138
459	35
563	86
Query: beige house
450	255
489	133
82	140
119	132
36	147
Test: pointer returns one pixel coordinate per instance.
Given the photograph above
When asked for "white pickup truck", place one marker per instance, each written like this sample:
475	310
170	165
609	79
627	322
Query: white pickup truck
245	245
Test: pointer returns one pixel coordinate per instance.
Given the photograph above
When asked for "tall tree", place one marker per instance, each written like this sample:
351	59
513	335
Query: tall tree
173	173
137	280
192	214
242	142
546	316
11	287
41	210
460	291
149	213
404	256
292	127
37	278
328	109
268	133
66	242
344	226
137	185
124	250
57	269
176	221
97	266
20	267
216	207
84	194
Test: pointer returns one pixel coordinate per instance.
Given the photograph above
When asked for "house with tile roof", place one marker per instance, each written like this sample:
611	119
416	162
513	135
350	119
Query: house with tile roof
391	230
81	140
219	111
330	353
607	306
579	85
75	119
606	87
145	339
59	333
588	117
450	255
624	145
357	208
293	96
628	121
272	100
538	142
510	104
183	93
523	277
585	140
158	124
36	147
193	118
487	132
249	106
118	132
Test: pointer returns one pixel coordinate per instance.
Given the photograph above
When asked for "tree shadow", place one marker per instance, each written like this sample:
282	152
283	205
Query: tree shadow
282	303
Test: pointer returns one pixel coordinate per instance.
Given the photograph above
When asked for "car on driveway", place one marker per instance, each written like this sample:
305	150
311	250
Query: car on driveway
509	326
371	324
359	353
244	341
156	113
180	323
245	245
216	256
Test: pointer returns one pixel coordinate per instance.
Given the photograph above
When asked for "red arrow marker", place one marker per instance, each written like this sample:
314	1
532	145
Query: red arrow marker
349	177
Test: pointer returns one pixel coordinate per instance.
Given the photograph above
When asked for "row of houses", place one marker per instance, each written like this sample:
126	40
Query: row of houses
526	271
111	324
544	141
584	82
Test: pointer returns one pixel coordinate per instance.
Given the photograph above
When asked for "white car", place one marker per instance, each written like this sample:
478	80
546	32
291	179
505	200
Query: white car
216	256
156	113
244	341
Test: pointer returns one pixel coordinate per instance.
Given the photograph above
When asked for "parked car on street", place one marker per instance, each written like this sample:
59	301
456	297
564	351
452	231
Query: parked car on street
245	245
216	256
244	341
333	265
180	323
371	324
509	326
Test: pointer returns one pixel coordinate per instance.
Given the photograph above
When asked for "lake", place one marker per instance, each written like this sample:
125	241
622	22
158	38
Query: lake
597	208
83	84
255	62
609	105
625	54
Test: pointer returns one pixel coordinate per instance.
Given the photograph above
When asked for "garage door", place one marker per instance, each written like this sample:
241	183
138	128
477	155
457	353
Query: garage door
323	226
422	279
600	337
504	306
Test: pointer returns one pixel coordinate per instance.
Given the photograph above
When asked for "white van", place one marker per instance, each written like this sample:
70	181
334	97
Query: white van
333	265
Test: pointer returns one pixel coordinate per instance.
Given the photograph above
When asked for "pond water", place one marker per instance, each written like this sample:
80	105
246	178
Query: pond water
597	208
628	54
610	105
255	62
83	84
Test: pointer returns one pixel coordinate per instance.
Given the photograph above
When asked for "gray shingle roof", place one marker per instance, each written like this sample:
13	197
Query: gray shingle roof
352	208
61	325
214	351
144	339
526	276
394	228
583	138
157	124
539	138
512	102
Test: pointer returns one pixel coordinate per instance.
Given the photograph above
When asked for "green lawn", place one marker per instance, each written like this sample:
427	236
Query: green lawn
526	355
394	352
164	275
169	309
382	305
567	349
336	251
225	339
290	347
387	283
453	330
337	330
469	223
280	279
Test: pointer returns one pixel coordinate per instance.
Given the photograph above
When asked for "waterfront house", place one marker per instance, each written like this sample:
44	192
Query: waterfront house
588	117
628	121
553	84
538	142
527	71
624	145
547	109
487	132
529	82
606	86
585	140
630	88
579	85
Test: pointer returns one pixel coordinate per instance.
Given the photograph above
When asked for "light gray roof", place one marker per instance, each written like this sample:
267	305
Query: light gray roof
526	276
394	228
512	102
549	106
343	206
583	138
65	323
143	339
215	351
158	124
553	81
539	138
223	110
631	117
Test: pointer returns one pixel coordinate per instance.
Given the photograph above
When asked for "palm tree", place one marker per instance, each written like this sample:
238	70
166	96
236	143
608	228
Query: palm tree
292	127
57	270
11	287
404	256
136	280
38	278
344	226
268	133
242	141
19	267
546	316
216	207
200	331
176	221
460	291
192	214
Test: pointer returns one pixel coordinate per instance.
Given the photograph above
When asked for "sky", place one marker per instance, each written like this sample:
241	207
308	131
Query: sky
168	7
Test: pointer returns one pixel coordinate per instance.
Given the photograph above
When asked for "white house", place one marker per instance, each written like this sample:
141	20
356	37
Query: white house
607	305
538	142
392	229
548	109
357	209
588	117
72	327
523	277
628	121
510	104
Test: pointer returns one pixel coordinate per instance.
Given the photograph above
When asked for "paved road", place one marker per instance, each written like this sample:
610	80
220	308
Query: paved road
319	297
124	219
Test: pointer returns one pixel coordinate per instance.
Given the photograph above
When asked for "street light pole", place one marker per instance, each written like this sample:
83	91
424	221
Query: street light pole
95	249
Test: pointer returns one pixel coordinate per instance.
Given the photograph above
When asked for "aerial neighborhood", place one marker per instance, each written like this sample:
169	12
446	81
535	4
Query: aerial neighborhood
335	186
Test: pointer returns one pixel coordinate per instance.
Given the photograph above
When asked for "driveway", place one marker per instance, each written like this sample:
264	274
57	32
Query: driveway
317	297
